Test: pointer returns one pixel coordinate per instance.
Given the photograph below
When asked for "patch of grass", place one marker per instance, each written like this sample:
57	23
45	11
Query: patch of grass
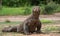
13	11
51	29
27	11
10	23
18	22
46	21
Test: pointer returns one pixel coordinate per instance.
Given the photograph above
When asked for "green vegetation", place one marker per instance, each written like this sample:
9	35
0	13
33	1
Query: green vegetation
17	3
27	11
6	23
18	22
42	21
15	11
23	7
51	29
46	21
50	8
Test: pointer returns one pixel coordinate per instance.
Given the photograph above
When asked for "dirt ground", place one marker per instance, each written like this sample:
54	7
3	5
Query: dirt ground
55	16
22	18
51	34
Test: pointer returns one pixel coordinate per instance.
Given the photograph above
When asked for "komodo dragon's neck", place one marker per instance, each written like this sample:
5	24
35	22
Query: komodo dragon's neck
35	16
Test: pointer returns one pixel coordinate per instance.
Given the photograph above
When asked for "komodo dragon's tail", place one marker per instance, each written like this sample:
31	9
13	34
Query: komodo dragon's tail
9	29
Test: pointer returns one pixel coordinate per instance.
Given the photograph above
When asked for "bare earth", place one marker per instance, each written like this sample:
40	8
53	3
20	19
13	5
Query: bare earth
22	18
51	34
